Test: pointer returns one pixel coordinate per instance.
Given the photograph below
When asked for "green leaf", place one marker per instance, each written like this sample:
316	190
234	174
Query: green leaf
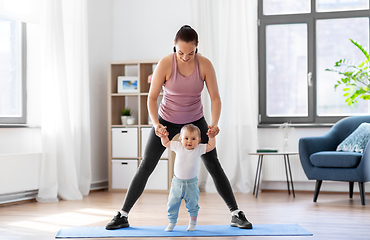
359	46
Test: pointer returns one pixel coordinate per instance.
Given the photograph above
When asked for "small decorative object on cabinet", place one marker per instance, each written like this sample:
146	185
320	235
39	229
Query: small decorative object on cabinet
128	89
127	84
130	120
127	118
126	113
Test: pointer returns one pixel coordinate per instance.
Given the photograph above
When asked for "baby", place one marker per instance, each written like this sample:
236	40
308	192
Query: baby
185	182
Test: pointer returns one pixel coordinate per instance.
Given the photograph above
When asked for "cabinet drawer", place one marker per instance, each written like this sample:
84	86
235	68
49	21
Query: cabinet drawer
122	173
144	139
124	142
159	178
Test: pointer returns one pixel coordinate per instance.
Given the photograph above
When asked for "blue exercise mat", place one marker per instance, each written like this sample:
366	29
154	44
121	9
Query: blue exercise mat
180	231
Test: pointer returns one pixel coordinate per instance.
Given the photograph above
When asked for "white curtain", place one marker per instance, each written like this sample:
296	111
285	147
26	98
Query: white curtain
228	37
65	121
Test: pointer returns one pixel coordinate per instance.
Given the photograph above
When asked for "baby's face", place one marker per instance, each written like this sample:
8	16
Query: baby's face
189	140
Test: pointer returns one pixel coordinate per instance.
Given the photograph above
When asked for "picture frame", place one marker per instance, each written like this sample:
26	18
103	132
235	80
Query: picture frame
128	84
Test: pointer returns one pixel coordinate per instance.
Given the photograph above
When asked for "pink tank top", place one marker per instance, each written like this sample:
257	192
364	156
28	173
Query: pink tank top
181	102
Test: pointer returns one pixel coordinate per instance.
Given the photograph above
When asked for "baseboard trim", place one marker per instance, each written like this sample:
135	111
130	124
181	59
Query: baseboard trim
99	185
29	196
309	186
309	192
9	198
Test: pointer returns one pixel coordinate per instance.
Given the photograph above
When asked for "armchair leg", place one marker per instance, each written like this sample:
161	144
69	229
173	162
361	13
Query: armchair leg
317	189
351	189
361	186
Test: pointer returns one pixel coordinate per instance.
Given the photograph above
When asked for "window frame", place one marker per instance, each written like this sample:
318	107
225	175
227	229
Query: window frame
23	118
310	19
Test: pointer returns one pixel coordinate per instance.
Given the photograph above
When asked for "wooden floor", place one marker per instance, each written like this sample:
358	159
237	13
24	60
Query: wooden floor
334	216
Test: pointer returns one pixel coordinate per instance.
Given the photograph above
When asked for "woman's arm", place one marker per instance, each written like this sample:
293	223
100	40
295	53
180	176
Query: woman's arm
160	75
211	82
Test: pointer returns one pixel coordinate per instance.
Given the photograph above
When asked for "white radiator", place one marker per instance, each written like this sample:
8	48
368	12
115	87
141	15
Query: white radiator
19	175
273	168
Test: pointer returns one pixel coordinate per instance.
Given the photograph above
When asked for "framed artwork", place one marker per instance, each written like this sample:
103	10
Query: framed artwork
128	84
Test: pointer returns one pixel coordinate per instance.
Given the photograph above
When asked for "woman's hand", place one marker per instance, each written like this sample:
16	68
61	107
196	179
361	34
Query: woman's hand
161	130
213	131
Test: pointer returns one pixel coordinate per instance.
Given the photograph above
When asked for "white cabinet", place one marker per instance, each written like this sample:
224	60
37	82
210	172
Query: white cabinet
159	178
124	142
144	139
122	172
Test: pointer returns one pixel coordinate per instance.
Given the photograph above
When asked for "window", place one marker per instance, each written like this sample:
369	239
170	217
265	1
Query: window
12	72
298	40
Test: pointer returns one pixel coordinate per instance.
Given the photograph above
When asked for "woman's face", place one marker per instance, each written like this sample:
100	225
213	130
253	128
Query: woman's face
185	51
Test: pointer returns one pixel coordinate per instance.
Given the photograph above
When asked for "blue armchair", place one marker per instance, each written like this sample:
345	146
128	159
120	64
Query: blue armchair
321	161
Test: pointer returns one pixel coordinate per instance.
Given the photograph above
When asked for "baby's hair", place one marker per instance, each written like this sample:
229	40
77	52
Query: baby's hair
191	128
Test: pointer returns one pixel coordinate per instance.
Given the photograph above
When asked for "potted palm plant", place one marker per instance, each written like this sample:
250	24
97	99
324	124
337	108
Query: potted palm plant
355	78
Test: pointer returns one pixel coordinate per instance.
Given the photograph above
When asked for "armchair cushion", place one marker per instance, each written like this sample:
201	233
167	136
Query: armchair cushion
335	159
357	140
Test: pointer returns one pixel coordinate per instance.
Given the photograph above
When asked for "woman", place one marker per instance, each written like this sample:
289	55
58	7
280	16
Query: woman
182	76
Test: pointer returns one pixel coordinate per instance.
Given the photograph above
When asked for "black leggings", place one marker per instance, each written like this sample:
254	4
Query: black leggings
152	154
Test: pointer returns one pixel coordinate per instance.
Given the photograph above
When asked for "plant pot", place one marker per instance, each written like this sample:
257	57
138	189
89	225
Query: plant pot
130	121
124	120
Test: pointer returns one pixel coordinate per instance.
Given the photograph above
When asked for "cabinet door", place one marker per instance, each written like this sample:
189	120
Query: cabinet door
122	173
159	178
144	139
124	142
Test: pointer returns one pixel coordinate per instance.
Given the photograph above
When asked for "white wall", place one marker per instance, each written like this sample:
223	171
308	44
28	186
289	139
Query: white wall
100	53
145	29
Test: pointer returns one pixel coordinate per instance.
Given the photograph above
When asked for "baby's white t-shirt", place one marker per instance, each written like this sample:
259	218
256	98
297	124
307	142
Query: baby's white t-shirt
187	161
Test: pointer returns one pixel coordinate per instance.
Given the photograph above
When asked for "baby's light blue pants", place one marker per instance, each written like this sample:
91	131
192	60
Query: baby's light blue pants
183	189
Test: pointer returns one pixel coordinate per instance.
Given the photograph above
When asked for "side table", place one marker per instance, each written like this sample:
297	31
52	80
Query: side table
288	170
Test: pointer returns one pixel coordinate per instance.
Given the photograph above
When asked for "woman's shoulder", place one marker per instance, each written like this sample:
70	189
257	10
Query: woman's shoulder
167	60
204	63
164	66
